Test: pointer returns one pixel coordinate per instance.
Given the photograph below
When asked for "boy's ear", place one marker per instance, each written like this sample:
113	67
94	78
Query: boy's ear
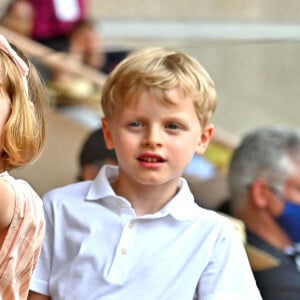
205	139
107	134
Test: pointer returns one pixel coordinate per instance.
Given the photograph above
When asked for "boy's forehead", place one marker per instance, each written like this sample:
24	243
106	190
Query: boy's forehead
168	98
170	95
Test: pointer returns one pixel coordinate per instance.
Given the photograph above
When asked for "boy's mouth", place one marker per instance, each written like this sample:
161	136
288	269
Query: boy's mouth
151	158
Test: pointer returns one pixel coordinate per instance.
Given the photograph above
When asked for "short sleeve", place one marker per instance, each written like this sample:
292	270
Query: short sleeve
228	274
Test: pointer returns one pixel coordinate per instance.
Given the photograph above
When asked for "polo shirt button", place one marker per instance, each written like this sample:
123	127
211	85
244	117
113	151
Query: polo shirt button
124	251
131	225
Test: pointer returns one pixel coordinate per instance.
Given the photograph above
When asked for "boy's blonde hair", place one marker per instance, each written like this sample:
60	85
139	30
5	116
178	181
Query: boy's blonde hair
158	70
23	135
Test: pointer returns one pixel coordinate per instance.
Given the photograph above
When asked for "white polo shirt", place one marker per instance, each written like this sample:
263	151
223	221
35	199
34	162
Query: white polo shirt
97	248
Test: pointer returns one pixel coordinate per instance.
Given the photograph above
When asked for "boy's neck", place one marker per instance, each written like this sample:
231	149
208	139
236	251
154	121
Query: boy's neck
146	199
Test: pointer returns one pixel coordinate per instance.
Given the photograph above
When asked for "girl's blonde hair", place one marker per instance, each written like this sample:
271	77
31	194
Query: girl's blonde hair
23	135
158	70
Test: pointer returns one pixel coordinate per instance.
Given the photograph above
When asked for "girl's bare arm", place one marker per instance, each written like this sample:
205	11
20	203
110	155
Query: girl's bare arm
36	296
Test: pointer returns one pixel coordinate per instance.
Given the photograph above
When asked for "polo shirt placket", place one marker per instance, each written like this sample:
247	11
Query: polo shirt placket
120	264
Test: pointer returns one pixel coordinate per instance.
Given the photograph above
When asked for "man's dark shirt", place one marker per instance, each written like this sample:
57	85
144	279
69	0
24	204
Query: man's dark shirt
281	282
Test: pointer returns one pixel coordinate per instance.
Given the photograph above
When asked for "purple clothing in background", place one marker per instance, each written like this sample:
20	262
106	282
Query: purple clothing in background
48	25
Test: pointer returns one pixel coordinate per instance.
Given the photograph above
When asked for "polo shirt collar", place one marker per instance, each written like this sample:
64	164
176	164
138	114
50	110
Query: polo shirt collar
181	207
101	186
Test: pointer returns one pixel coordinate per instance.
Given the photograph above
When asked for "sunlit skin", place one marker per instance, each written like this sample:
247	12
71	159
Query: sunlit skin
154	143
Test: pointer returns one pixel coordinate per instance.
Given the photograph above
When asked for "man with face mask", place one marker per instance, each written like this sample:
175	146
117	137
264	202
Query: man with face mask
264	185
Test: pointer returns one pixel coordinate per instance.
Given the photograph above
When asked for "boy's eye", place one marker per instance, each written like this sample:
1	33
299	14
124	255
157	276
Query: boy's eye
172	126
134	124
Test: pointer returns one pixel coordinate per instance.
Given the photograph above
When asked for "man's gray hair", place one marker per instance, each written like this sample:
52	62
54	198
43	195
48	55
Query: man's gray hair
267	153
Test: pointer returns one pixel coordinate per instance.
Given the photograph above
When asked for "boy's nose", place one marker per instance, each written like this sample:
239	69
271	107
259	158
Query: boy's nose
153	137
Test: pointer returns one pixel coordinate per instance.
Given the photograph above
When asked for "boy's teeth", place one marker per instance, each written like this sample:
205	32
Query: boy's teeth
150	159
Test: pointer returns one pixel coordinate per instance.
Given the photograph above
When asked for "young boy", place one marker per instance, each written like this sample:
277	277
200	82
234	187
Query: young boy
135	232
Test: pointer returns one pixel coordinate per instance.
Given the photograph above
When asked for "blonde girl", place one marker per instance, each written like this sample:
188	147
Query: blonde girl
22	132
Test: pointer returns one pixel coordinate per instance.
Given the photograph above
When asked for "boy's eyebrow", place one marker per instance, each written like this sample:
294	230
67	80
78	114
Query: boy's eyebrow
171	117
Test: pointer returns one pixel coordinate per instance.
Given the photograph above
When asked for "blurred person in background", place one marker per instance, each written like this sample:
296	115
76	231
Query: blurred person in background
76	96
49	22
19	17
93	155
54	20
86	43
264	185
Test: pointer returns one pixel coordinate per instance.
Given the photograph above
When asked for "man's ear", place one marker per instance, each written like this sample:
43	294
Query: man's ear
205	139
107	134
262	196
260	193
